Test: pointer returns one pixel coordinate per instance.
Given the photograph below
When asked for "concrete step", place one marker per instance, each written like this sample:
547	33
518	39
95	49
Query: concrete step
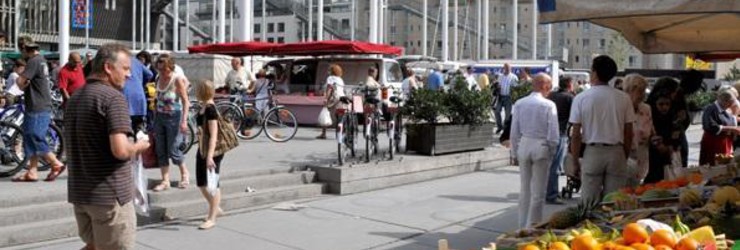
35	199
37	231
232	186
34	213
234	201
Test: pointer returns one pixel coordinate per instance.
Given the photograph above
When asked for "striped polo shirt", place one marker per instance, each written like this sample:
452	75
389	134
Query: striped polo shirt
96	177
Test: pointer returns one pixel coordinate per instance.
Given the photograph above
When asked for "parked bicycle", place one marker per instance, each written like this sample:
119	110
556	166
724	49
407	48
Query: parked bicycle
14	115
278	122
190	137
347	127
372	116
395	124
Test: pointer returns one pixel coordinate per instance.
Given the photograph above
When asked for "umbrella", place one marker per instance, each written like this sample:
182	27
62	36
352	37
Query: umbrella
698	28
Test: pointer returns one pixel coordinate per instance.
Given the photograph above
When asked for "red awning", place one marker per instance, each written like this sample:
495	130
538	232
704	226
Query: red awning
234	49
717	56
321	48
335	47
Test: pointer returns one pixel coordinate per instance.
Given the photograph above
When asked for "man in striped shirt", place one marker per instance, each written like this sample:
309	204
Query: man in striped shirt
506	81
100	178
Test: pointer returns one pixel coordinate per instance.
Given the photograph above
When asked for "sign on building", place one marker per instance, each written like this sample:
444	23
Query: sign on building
81	14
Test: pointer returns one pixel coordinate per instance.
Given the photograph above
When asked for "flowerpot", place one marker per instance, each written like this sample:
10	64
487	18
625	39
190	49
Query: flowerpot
436	139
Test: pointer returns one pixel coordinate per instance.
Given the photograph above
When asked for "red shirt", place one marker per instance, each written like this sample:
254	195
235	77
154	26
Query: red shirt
71	79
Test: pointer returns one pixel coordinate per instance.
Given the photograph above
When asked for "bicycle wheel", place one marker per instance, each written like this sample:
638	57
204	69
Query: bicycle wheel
250	125
188	139
367	131
374	134
55	141
392	138
341	139
280	124
230	112
12	157
352	134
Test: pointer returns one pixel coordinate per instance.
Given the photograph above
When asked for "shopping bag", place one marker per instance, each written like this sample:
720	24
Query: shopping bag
149	156
675	169
212	178
325	118
141	201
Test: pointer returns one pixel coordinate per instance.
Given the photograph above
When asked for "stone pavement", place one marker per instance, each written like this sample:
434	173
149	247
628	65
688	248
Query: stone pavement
469	210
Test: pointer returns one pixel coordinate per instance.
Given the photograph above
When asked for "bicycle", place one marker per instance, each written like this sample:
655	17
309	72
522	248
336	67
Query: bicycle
347	127
11	150
278	122
371	116
14	115
395	125
190	137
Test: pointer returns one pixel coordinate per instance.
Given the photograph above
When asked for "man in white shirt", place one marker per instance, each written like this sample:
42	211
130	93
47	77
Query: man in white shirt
534	139
471	80
506	81
12	86
238	79
602	119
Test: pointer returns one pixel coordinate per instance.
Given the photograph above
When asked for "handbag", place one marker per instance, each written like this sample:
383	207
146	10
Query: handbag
149	156
226	140
324	118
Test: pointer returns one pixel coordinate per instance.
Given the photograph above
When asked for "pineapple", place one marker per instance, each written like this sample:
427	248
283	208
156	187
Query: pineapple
573	215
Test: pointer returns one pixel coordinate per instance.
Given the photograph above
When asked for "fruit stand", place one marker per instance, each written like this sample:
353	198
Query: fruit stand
699	210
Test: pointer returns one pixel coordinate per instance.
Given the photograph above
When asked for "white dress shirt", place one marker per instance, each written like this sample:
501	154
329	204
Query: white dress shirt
602	112
534	117
506	82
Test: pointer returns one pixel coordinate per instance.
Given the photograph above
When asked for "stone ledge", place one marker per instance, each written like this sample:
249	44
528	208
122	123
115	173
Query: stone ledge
407	169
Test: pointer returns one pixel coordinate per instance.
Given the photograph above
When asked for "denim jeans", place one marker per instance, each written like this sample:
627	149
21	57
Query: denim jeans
35	125
504	102
168	138
557	165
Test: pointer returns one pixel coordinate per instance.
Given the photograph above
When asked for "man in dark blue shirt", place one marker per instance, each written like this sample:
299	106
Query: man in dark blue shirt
563	100
133	89
436	80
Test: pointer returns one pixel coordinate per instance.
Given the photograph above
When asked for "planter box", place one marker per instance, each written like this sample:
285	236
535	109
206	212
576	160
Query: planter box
696	116
435	139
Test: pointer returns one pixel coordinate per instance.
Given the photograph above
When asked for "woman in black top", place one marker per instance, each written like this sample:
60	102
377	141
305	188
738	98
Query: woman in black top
207	120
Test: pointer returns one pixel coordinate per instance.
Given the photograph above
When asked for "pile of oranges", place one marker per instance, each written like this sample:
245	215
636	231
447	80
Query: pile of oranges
634	237
693	178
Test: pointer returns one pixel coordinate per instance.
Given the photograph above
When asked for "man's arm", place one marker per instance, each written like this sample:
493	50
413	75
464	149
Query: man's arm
123	149
181	86
515	134
576	140
148	75
62	84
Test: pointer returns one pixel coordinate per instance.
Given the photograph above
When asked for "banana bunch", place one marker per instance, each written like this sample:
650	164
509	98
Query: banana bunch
679	227
690	198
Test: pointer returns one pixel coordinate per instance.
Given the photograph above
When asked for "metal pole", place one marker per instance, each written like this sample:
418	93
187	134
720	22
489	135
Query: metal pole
352	21
222	21
534	30
176	25
424	24
133	24
64	18
479	35
381	22
141	24
245	24
549	42
445	30
264	20
148	28
187	23
373	21
515	32
18	20
310	21
486	27
455	24
214	32
231	21
87	24
320	22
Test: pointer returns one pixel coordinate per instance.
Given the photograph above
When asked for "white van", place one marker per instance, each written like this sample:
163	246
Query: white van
534	66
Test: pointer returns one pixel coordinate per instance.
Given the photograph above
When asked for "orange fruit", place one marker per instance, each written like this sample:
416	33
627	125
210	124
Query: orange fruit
609	245
642	246
640	190
663	247
682	181
687	244
624	248
584	242
530	247
558	246
634	233
696	178
628	190
663	237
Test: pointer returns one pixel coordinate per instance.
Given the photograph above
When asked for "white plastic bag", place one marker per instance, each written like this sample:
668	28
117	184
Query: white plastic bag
141	201
675	170
325	118
212	178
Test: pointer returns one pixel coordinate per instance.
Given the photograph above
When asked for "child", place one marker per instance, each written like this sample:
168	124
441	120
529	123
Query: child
666	140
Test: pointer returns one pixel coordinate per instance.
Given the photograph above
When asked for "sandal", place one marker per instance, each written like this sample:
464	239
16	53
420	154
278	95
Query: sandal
54	173
184	183
24	178
161	186
321	137
207	225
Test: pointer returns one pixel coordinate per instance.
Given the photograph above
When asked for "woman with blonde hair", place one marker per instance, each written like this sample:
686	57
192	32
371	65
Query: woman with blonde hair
205	160
333	90
170	120
639	158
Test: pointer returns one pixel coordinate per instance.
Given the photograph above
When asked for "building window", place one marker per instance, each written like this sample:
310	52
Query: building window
281	39
257	39
271	39
632	61
586	26
586	42
393	43
393	29
602	43
257	28
418	43
411	28
281	27
494	9
568	41
439	44
270	27
577	59
345	24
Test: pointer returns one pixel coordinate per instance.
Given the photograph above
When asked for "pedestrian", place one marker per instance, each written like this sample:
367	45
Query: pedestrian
133	89
239	78
34	81
435	80
679	109
483	82
666	139
719	128
54	74
12	91
97	127
534	139
205	160
471	79
88	63
506	81
563	100
150	89
639	157
170	121
409	84
333	90
602	118
71	76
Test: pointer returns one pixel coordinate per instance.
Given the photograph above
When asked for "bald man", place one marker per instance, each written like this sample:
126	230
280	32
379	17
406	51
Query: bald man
534	138
71	76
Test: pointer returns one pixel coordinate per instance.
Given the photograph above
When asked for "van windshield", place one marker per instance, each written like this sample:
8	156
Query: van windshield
393	71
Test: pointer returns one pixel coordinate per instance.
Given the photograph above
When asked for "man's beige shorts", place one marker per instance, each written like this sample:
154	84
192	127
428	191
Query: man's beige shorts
107	227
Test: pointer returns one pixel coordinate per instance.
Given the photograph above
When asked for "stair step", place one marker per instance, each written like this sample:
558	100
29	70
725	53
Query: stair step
34	213
32	200
232	186
239	200
38	231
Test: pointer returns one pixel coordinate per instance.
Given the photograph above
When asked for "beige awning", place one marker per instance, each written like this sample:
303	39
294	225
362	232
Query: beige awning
695	27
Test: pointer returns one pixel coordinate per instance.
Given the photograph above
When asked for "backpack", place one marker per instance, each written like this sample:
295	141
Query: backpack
226	140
